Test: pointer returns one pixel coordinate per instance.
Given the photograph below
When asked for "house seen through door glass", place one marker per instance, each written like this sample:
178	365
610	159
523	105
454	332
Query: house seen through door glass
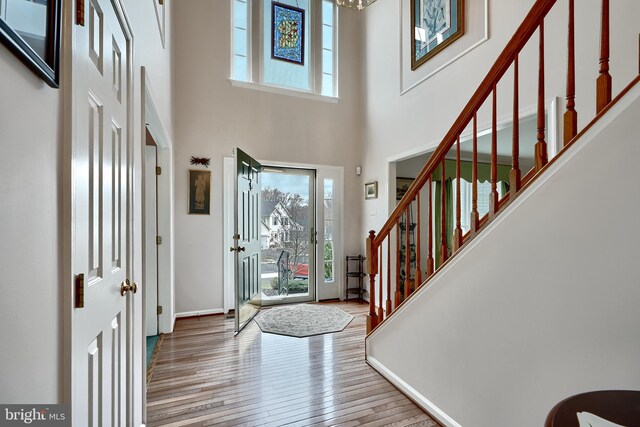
287	235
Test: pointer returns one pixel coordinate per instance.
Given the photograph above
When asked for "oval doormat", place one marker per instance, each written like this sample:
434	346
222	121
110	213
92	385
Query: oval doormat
303	320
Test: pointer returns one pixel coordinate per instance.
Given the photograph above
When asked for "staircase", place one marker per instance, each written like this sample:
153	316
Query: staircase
533	303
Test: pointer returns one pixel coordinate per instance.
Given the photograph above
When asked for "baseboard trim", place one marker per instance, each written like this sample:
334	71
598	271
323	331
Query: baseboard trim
435	412
199	313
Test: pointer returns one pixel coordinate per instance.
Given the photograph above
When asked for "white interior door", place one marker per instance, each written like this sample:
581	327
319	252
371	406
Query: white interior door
150	242
101	219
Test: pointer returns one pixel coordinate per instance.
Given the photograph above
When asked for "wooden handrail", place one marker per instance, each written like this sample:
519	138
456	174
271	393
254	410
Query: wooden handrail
502	64
447	242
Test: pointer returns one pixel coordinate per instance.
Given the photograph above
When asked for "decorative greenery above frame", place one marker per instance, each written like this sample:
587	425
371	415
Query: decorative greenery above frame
31	30
436	24
287	33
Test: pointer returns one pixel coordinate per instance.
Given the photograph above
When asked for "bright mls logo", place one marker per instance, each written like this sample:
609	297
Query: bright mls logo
36	415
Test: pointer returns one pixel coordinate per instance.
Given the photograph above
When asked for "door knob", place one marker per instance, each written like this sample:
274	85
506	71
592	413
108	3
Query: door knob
125	287
238	249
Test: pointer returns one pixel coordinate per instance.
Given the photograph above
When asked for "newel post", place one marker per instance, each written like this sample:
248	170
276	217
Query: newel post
372	270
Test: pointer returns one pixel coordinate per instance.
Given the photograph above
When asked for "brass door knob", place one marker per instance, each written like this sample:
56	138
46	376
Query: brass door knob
125	287
134	288
238	249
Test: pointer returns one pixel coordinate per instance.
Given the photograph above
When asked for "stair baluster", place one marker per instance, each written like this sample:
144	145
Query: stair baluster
418	278
398	298
457	234
380	306
430	261
475	216
571	116
407	253
444	250
388	306
541	145
515	174
603	84
493	196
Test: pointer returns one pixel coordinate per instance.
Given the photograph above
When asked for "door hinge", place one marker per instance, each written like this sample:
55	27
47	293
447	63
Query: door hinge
161	2
80	12
159	311
158	170
158	240
79	291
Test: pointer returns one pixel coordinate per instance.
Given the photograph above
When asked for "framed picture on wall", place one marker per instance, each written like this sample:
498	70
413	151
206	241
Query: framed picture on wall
436	24
31	30
371	190
199	192
402	185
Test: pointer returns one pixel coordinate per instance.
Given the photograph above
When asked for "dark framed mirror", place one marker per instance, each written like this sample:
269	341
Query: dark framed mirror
31	30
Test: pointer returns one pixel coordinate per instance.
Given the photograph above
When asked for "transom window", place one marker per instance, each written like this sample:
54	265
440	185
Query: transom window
288	44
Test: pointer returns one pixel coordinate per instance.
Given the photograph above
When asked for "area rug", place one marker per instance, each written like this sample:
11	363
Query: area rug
153	346
303	320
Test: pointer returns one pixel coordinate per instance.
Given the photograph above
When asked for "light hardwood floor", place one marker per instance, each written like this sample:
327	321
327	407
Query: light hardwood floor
205	376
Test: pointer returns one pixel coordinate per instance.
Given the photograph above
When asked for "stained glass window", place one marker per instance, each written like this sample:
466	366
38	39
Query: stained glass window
273	47
287	26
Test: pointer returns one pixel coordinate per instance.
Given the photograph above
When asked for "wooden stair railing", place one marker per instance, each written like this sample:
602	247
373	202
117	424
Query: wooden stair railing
449	245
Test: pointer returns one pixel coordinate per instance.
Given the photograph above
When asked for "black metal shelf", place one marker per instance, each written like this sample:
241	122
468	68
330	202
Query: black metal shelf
358	274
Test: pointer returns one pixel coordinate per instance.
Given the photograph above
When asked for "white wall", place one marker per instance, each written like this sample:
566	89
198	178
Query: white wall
417	120
30	155
213	117
31	191
541	306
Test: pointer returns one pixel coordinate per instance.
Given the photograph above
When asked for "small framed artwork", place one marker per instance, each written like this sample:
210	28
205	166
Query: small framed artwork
371	190
199	192
437	24
31	30
287	33
402	185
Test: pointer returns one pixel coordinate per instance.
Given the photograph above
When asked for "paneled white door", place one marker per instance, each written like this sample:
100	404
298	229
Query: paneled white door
101	219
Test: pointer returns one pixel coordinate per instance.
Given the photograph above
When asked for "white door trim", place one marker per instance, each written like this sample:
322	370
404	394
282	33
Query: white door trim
166	253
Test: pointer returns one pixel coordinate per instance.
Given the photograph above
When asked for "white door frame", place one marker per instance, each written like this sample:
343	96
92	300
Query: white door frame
165	206
335	290
166	282
150	248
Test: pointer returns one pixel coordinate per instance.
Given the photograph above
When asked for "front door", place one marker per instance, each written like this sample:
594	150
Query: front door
247	239
288	235
101	219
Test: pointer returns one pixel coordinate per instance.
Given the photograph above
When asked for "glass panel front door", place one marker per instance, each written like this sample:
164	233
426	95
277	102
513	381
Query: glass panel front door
287	235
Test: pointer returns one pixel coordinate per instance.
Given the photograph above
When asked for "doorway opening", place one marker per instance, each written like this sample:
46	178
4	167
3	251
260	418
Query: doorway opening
288	235
328	232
